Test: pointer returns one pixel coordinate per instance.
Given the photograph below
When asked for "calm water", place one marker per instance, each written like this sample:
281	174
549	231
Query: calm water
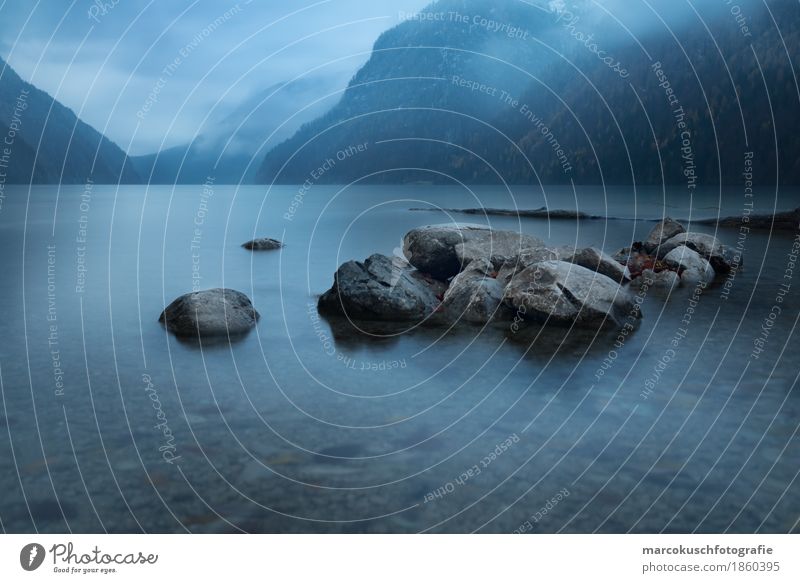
304	425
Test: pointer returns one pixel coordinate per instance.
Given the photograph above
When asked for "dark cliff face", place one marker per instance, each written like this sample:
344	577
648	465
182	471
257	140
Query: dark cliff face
49	143
486	92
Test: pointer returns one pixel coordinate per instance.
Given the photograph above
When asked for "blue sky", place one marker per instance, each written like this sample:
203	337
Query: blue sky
105	59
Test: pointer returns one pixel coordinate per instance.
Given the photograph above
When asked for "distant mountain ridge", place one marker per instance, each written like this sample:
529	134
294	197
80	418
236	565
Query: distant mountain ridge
50	144
448	98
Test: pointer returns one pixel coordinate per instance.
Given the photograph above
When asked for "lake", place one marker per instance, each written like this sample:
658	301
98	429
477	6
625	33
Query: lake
109	423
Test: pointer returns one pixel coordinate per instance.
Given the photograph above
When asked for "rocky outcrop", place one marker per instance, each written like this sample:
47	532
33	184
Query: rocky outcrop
693	268
263	244
213	312
443	251
722	258
382	288
565	293
596	260
475	295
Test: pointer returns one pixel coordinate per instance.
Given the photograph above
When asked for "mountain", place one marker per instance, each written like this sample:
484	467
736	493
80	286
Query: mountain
232	142
611	92
49	144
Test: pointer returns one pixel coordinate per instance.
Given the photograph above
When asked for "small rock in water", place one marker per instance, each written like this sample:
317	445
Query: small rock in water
264	244
212	312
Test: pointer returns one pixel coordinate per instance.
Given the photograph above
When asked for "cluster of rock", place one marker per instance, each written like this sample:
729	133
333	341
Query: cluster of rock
671	257
476	274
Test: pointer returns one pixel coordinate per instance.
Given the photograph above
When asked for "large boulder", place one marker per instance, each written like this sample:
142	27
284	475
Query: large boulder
722	258
382	288
474	294
212	312
596	260
263	244
565	293
661	233
693	268
445	250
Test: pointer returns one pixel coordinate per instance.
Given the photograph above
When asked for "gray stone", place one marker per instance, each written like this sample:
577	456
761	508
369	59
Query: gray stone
663	281
565	293
661	233
535	255
722	258
212	312
693	268
444	250
264	244
474	295
596	260
381	288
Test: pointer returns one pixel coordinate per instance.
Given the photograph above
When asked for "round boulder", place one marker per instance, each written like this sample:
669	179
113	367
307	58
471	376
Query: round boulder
212	312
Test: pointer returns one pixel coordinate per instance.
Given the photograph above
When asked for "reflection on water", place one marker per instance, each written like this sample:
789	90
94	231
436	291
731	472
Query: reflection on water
308	425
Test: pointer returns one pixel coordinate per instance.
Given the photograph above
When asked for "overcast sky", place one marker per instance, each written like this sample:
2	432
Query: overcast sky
103	59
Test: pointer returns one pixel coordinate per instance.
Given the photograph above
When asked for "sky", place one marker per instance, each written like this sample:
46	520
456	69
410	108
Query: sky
149	74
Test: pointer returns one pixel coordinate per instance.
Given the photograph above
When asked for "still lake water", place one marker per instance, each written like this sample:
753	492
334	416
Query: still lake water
304	425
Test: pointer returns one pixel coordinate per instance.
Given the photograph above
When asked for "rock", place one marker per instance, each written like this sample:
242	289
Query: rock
722	258
693	268
444	250
264	244
381	288
596	260
496	246
530	256
212	312
663	281
565	293
474	295
661	233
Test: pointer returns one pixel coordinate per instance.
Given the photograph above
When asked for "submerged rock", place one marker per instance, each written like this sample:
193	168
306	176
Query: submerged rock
565	293
212	312
596	260
264	244
722	258
474	294
692	267
381	288
445	250
661	233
